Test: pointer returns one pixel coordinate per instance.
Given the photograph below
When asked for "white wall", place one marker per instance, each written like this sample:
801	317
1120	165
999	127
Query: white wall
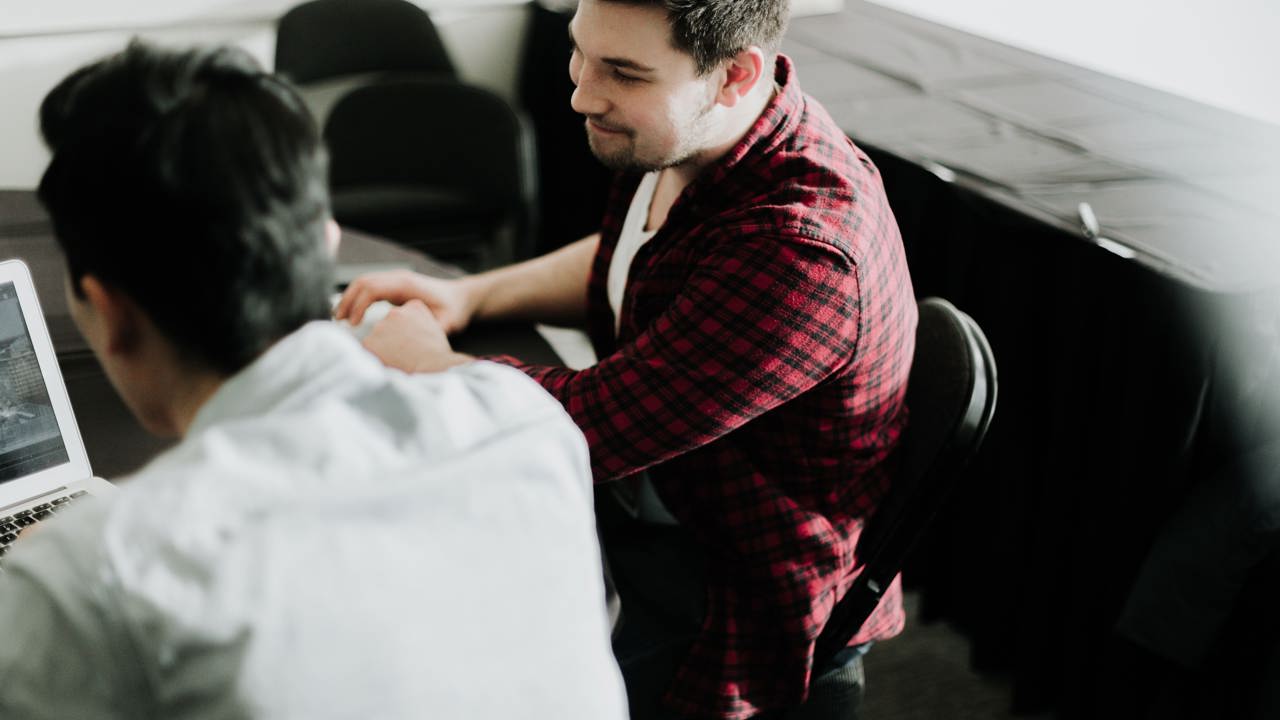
41	42
1220	52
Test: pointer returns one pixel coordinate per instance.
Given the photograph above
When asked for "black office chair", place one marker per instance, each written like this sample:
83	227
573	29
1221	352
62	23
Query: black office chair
1199	635
951	395
436	165
324	39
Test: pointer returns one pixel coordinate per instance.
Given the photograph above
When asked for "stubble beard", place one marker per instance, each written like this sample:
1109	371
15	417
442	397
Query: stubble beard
625	159
620	160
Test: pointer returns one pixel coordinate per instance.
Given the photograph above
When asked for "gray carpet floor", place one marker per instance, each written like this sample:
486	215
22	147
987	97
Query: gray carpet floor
923	674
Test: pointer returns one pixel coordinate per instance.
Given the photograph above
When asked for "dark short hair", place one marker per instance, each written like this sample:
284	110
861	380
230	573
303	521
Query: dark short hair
195	183
715	30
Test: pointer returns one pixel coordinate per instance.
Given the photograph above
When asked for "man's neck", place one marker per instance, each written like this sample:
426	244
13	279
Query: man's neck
190	396
738	123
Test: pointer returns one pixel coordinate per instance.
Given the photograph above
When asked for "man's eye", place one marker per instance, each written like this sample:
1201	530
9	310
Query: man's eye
623	78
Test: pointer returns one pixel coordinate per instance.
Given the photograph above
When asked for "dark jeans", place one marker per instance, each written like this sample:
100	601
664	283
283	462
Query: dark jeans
659	575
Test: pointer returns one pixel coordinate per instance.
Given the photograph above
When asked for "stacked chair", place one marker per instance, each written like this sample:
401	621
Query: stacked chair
417	155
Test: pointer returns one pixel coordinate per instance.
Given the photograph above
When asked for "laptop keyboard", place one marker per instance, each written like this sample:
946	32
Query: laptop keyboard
11	525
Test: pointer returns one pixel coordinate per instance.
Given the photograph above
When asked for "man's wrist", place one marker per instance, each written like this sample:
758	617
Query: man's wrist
475	291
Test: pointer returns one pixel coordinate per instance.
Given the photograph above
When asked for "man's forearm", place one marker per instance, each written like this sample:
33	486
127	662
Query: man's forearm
550	289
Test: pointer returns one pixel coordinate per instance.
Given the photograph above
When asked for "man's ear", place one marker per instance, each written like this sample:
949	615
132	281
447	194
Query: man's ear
742	73
118	317
332	236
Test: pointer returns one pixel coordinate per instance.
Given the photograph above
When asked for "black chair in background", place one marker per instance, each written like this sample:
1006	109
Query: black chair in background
573	186
328	47
951	397
325	39
1199	635
436	165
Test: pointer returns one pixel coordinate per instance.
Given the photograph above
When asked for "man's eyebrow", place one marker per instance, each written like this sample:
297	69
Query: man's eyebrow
623	63
627	64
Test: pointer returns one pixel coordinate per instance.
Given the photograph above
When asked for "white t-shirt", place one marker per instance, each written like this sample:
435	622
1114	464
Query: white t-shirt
630	240
637	494
332	539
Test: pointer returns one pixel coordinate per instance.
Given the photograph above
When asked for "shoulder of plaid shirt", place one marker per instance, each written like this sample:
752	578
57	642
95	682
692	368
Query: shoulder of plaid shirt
758	374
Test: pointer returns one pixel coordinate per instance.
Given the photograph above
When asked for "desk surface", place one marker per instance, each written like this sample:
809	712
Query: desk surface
1188	189
115	442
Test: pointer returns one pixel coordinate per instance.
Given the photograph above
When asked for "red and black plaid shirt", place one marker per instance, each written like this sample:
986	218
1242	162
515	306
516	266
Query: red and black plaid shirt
758	374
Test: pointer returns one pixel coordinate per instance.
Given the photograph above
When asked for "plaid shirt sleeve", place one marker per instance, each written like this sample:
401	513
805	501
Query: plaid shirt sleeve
759	321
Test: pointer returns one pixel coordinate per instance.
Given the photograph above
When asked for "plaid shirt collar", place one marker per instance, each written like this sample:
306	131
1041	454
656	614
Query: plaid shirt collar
778	121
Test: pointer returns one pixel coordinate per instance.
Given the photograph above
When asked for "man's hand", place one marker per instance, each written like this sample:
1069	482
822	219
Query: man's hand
448	300
411	339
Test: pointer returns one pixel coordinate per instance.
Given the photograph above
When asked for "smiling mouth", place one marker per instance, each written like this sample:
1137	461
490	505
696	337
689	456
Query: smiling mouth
601	128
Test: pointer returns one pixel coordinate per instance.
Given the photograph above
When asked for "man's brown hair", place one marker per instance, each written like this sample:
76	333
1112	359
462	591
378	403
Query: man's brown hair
715	30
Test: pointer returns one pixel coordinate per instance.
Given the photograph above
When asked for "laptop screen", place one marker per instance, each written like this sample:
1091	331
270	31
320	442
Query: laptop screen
29	437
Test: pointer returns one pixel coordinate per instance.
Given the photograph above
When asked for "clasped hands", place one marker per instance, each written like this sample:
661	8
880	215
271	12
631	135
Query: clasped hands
413	336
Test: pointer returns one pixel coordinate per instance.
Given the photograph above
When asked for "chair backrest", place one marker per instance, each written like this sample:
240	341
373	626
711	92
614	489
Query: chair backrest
447	138
328	38
951	397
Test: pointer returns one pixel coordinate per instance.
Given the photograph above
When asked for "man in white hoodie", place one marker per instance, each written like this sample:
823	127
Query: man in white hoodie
329	538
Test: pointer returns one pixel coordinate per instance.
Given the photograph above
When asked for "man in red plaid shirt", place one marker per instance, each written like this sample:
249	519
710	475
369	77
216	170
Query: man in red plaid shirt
749	301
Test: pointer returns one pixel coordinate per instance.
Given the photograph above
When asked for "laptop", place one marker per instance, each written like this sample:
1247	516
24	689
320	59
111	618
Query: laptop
43	464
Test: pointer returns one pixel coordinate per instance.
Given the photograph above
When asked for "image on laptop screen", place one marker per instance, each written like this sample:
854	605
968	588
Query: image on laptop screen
29	437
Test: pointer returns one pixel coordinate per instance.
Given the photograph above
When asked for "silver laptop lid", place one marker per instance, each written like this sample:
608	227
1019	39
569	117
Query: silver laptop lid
40	445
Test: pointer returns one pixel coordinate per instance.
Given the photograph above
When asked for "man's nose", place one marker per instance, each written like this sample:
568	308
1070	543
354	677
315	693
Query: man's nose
586	98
